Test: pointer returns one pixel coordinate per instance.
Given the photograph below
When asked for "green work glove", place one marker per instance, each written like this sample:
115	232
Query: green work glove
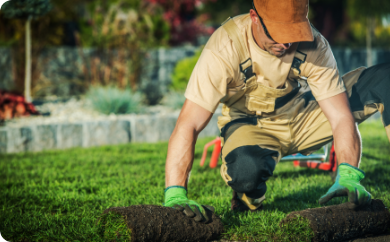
348	184
176	197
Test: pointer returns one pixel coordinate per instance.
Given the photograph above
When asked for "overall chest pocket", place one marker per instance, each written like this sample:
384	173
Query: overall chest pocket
259	104
263	99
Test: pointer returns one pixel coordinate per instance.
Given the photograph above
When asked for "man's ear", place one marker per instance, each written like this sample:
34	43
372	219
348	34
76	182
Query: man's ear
254	17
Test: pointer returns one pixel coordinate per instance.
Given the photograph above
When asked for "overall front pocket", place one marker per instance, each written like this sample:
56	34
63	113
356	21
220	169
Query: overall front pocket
257	104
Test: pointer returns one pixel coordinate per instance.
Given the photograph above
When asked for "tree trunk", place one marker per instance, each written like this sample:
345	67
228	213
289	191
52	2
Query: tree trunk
27	78
370	30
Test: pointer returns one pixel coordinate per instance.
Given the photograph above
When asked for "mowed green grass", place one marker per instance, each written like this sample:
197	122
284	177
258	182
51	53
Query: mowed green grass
59	195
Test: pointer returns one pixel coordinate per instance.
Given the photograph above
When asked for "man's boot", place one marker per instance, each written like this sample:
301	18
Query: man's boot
238	206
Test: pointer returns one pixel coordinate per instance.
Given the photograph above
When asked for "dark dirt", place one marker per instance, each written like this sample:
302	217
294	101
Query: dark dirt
156	223
341	223
378	238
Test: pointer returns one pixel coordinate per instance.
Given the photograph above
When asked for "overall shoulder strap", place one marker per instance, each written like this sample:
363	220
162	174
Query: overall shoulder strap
300	56
235	35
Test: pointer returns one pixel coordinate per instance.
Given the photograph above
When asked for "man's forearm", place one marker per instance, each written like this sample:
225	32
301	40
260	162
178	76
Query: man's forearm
180	156
345	133
192	120
347	142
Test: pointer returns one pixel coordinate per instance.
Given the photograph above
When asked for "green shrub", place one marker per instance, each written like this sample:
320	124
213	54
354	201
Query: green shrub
152	93
113	100
182	72
174	100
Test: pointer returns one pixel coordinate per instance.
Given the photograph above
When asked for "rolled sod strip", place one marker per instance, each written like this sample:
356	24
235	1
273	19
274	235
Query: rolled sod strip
376	238
155	223
341	223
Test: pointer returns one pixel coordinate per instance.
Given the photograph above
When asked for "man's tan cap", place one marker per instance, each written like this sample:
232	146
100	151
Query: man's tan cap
285	20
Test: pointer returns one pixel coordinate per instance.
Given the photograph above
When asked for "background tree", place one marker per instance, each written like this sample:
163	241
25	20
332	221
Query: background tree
27	10
123	30
370	13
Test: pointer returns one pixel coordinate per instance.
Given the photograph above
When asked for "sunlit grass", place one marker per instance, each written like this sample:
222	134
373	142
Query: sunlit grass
59	195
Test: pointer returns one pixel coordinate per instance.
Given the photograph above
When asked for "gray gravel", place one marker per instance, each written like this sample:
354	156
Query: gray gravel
73	111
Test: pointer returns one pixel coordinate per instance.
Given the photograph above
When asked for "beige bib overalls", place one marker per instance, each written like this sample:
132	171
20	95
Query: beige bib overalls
259	124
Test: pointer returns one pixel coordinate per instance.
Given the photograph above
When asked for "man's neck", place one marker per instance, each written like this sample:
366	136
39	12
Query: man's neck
255	33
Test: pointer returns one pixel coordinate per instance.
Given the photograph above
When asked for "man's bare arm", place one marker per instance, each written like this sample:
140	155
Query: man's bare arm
345	132
192	119
348	150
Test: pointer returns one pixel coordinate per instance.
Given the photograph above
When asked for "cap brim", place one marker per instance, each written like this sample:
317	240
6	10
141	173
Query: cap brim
289	32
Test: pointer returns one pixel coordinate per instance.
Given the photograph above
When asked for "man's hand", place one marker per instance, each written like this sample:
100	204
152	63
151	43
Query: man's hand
176	197
348	184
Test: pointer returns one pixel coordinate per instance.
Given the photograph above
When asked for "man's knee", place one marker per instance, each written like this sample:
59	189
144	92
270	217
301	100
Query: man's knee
249	167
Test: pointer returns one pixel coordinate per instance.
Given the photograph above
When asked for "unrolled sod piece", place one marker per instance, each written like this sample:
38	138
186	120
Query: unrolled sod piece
340	222
156	223
376	238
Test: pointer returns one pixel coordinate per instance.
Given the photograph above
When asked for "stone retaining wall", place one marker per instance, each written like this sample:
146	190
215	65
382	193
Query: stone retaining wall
119	130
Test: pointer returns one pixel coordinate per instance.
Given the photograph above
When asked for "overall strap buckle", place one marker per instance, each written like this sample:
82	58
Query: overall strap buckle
246	69
299	58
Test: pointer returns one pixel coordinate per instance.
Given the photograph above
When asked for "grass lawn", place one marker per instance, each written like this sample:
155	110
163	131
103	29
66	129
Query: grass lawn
58	195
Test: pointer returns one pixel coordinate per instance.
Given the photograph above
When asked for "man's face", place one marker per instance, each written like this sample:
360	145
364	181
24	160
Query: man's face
263	39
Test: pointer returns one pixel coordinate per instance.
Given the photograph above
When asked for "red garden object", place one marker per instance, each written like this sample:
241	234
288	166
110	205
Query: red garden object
214	155
314	161
331	165
14	105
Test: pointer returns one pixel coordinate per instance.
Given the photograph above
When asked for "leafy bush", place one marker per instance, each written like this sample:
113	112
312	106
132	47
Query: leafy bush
113	100
152	92
182	72
174	100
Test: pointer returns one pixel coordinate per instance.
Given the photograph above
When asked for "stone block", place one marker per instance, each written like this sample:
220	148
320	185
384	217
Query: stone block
119	132
165	126
21	140
106	132
69	135
27	136
3	141
46	137
144	129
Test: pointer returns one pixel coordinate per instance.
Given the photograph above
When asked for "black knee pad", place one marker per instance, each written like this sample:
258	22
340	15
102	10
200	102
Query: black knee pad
250	167
373	86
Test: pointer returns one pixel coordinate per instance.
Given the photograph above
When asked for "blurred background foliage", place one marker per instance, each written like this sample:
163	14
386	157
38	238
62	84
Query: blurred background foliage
99	23
126	29
182	72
